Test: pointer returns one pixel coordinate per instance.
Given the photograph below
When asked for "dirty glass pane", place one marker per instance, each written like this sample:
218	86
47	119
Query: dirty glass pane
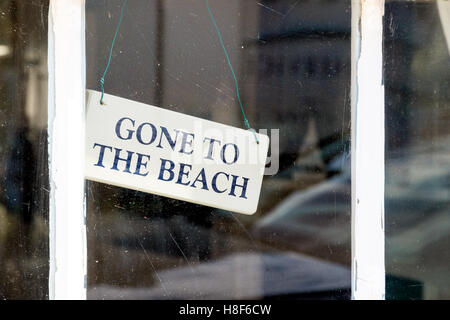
417	78
23	150
292	59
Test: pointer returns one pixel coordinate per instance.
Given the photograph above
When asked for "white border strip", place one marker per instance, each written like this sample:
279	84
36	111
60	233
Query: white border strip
444	15
66	120
368	263
66	127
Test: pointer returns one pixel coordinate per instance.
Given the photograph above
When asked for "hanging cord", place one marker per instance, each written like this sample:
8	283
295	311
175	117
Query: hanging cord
102	79
232	71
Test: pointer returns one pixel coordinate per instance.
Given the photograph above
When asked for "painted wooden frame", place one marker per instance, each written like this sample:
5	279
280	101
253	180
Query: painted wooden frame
66	124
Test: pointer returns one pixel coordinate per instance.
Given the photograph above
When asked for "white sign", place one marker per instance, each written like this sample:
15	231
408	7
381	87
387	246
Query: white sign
150	149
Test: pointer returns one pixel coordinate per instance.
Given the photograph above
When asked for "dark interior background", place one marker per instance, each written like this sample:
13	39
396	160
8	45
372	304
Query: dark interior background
24	186
292	59
293	64
417	202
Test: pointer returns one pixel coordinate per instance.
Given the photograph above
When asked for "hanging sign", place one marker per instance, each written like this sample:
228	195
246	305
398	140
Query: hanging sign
150	149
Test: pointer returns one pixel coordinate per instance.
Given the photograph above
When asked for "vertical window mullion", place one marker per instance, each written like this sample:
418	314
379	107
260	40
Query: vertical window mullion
368	263
66	119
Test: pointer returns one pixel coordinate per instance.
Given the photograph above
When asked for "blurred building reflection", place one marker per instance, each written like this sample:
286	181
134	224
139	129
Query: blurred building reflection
293	63
23	150
417	166
417	78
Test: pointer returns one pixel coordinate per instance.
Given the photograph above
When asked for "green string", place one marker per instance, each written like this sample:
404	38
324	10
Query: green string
102	79
232	70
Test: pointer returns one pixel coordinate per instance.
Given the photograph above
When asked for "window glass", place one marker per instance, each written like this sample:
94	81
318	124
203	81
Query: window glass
292	60
417	75
24	186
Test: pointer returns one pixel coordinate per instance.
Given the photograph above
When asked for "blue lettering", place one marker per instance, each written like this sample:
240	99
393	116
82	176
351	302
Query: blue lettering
236	153
117	158
211	147
185	142
202	180
140	164
172	142
234	185
101	153
139	133
214	182
163	168
183	173
130	132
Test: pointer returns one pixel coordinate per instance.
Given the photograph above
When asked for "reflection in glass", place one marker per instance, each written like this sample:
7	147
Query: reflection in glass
23	150
417	77
293	63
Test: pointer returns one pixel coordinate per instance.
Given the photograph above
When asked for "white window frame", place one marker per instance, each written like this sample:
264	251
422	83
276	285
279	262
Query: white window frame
367	151
66	124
